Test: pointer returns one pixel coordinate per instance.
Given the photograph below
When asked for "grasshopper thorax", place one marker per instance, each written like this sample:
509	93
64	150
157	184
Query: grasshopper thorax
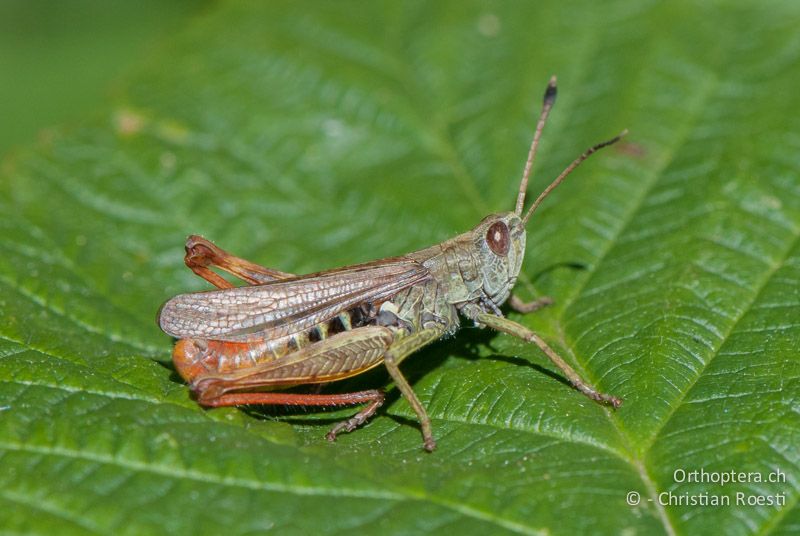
499	244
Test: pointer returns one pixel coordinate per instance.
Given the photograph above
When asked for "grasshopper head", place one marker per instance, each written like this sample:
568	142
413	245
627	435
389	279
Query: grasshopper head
500	238
499	241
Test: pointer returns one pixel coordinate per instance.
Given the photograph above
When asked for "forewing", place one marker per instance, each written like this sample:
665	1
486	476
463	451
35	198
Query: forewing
280	308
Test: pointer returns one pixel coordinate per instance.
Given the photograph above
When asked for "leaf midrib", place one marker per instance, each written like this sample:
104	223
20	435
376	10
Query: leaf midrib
668	157
637	458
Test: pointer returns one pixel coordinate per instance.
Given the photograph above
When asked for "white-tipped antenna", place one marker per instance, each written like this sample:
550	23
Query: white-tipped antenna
575	163
547	105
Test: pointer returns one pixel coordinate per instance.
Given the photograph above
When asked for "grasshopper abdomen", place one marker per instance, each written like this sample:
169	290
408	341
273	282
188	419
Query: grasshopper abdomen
195	358
237	344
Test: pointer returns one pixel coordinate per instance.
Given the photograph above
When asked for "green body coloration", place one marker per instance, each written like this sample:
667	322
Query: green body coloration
238	345
472	272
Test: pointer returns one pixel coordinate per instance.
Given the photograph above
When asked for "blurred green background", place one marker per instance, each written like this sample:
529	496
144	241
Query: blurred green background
58	59
309	135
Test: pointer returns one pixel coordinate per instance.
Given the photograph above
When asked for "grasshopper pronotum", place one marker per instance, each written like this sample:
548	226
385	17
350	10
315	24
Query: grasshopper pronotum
238	344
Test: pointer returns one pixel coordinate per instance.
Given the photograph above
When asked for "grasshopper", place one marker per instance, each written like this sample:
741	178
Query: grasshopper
238	345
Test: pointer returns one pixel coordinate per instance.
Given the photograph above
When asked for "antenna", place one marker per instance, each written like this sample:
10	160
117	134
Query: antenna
575	163
547	105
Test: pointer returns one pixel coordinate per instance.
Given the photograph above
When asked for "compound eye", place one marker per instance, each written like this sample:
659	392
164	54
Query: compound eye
498	239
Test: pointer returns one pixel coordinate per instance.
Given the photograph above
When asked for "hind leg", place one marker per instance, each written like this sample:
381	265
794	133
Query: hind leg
341	356
202	254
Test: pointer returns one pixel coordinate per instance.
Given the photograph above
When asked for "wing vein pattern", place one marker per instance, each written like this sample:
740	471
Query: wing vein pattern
281	308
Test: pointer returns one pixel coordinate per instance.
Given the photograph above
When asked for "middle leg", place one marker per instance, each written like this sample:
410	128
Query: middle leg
394	356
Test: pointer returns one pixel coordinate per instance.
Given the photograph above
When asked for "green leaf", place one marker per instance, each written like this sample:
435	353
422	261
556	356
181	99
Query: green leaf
307	136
